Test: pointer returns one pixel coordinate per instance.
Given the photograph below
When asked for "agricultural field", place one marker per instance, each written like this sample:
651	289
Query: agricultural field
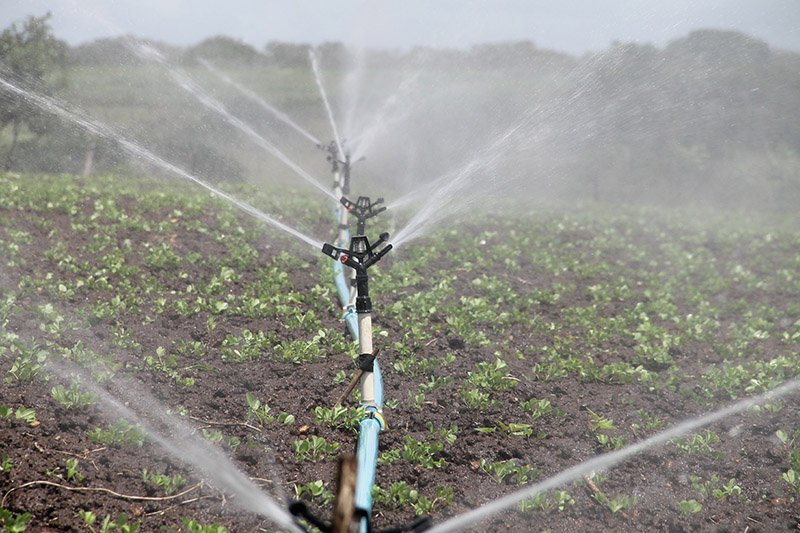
513	347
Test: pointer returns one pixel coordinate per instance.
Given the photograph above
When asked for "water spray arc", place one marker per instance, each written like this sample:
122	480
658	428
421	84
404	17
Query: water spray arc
608	460
189	85
96	128
277	113
318	78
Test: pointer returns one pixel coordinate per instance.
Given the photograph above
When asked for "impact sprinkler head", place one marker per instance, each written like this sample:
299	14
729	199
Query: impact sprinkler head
363	209
360	256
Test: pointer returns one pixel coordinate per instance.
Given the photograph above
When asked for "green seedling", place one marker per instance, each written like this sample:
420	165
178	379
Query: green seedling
261	413
699	443
417	452
71	471
193	526
537	408
72	397
120	432
6	464
218	437
475	398
492	376
26	414
13	522
615	505
449	434
503	471
314	449
339	416
169	484
400	495
316	491
548	501
600	423
689	507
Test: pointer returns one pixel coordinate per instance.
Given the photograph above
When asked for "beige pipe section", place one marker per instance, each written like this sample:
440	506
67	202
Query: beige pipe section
365	346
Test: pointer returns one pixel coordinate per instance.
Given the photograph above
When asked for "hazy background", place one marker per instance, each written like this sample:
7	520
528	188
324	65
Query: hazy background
670	103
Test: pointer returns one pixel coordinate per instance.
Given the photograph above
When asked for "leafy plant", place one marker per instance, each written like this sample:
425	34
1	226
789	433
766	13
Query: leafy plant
314	449
262	413
120	432
689	507
339	416
417	452
699	443
316	491
169	484
537	407
193	526
5	463
599	422
72	472
27	414
400	494
506	470
615	505
14	522
72	397
217	436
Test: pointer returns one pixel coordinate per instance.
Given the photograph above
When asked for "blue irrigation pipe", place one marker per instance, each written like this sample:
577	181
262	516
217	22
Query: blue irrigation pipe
341	276
353	294
359	256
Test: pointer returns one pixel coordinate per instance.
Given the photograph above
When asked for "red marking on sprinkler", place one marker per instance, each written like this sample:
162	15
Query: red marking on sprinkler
343	259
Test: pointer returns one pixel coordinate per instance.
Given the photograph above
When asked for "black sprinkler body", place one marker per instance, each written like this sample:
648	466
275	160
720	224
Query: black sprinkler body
360	256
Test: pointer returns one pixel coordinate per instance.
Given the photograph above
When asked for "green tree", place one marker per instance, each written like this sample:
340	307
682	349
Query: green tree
30	57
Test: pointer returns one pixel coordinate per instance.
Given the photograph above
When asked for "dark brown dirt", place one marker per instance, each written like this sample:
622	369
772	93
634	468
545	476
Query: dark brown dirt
659	479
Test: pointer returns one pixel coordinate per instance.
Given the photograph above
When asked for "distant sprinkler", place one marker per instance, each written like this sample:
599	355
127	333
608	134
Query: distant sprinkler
362	209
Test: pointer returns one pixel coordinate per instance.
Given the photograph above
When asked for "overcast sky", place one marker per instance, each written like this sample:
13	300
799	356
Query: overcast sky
574	26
